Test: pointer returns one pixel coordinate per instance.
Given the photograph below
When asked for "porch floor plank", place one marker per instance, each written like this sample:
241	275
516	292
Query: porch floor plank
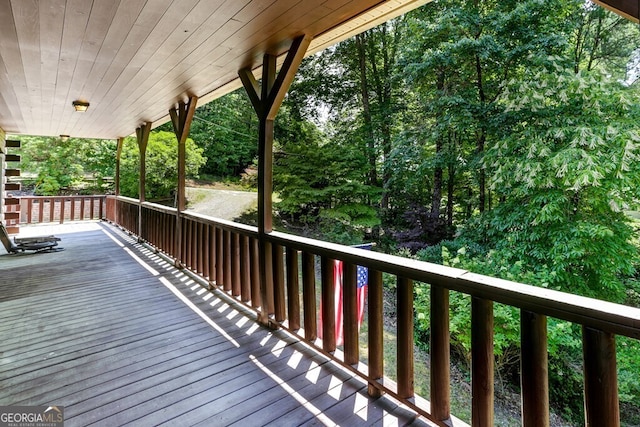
98	329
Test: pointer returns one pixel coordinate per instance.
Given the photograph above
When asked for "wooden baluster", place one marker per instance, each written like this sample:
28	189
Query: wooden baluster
256	299
350	315
220	278
376	332
212	255
227	260
235	264
439	353
405	338
602	408
280	304
29	211
92	207
187	238
534	369
52	208
293	290
82	211
204	252
309	296
72	214
41	210
481	362
101	207
328	304
63	202
196	245
245	269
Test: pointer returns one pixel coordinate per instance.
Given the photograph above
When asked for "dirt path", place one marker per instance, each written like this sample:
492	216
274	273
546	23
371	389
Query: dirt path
223	204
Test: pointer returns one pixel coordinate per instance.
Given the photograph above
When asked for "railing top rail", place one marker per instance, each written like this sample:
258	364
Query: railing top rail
73	196
603	315
223	223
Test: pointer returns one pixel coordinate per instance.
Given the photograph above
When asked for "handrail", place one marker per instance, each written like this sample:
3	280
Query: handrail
228	256
610	317
61	208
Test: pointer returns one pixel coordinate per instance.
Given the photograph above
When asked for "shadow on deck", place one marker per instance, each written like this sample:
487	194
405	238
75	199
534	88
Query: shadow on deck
116	335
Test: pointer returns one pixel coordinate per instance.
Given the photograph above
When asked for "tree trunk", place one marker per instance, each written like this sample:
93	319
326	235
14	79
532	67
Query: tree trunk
481	137
372	176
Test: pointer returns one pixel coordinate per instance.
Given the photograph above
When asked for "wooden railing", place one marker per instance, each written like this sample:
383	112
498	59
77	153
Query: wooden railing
227	255
41	209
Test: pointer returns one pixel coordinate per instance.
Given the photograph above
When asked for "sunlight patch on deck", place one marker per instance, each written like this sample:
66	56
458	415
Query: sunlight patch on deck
295	360
317	413
313	374
198	311
335	387
141	262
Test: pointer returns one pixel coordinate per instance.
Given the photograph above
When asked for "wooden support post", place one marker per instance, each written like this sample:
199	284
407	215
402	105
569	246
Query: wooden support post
405	338
118	158
376	342
481	362
601	404
142	136
266	100
534	369
181	118
439	351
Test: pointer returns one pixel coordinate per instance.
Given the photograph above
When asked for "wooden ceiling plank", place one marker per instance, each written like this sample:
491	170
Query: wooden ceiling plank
132	58
139	32
97	24
119	30
158	45
25	14
183	56
9	102
257	8
10	52
202	63
76	18
169	89
51	16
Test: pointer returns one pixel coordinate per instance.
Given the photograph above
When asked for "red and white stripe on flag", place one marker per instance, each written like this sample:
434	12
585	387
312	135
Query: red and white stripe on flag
362	279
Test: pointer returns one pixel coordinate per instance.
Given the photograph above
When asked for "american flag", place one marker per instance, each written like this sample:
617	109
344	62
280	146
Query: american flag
362	279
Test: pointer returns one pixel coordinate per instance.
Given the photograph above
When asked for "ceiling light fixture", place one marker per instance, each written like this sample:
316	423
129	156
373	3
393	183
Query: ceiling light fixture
80	106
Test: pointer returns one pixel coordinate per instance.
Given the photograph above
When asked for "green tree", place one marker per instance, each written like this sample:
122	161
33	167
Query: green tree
320	184
227	130
161	165
565	167
72	164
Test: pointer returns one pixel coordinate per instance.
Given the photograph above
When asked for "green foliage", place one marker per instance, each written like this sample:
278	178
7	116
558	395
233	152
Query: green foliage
71	164
161	165
564	168
320	184
226	130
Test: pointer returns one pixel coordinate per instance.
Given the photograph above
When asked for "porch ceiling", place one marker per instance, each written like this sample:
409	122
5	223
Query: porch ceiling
135	59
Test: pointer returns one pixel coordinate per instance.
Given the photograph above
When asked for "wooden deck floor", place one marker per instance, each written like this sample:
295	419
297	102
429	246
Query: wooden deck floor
117	336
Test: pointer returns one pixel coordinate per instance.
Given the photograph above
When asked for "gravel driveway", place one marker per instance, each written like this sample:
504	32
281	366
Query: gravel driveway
223	204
